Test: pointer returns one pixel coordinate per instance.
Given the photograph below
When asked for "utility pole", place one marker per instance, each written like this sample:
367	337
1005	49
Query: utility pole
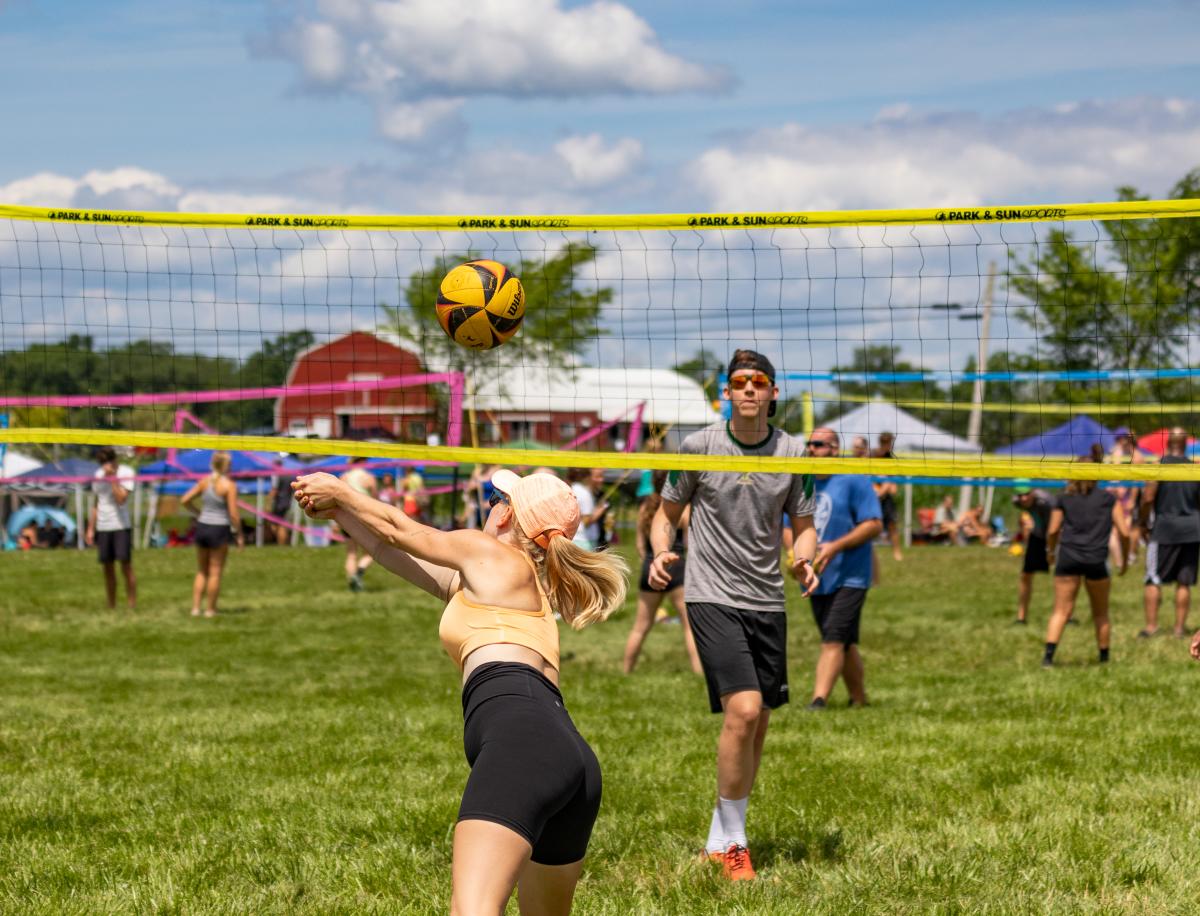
975	423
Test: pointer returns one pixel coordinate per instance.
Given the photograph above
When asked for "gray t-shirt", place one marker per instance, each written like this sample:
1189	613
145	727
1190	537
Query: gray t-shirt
737	520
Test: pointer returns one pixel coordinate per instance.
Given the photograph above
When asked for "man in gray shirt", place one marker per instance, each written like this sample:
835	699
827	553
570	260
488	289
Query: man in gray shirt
734	584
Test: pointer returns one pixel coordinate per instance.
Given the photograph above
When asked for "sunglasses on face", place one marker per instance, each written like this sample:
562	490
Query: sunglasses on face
817	443
759	380
496	498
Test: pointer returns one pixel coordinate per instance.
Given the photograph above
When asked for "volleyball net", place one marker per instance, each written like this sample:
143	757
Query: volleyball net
990	342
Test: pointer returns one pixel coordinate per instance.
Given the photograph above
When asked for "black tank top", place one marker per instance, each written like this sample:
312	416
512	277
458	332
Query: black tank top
1176	508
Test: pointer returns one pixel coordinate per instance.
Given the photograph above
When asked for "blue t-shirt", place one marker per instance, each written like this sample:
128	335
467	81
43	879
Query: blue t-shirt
844	501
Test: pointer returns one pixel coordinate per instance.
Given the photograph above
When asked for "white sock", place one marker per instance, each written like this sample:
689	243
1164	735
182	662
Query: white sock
733	820
716	835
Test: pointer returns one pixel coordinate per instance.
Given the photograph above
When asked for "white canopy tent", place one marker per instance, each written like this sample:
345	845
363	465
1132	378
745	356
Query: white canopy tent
913	437
17	463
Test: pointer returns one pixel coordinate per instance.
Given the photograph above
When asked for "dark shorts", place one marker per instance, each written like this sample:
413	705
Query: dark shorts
676	571
741	650
1070	565
212	537
115	546
887	508
838	615
1172	563
1035	556
531	771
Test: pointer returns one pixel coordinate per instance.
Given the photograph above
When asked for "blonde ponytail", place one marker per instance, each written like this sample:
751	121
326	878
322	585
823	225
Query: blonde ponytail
582	585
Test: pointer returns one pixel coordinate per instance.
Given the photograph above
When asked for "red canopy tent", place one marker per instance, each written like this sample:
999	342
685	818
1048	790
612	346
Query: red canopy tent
1156	442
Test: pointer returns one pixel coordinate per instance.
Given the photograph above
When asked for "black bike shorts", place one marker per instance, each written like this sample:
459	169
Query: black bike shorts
741	650
531	771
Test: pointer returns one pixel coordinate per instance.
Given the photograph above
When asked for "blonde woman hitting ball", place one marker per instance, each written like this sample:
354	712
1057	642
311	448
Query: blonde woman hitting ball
534	790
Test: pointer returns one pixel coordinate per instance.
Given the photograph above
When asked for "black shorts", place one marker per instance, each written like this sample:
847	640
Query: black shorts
1172	563
212	537
1035	556
838	614
1069	565
741	650
887	508
115	546
531	771
675	569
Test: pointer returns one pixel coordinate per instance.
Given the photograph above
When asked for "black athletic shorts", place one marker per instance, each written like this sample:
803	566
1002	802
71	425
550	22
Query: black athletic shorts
838	614
1070	565
531	771
115	546
741	650
887	508
212	537
1035	556
1172	563
675	569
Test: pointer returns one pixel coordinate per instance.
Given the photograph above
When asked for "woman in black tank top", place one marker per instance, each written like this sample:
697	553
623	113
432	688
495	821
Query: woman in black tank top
650	598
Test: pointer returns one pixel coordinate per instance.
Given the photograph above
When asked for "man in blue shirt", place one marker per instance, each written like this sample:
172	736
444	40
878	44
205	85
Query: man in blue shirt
848	519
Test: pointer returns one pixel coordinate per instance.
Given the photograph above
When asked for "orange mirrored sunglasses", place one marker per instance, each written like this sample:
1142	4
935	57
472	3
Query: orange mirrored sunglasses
759	380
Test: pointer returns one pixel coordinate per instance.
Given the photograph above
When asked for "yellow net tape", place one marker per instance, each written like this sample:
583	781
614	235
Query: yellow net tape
983	466
1117	210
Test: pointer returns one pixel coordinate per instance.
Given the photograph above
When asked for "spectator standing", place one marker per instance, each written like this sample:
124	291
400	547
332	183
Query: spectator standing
847	519
590	512
1174	551
734	585
218	523
359	479
280	500
109	527
1036	507
886	491
649	597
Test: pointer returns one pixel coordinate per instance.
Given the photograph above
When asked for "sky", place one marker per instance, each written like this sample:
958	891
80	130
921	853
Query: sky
550	106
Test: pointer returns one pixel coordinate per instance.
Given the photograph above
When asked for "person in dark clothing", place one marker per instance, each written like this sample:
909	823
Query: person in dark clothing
1174	551
1035	506
1077	546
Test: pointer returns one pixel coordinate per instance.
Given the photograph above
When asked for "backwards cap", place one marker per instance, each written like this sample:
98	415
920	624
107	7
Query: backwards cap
544	505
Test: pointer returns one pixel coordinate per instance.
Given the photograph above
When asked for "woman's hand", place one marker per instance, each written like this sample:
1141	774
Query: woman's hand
318	494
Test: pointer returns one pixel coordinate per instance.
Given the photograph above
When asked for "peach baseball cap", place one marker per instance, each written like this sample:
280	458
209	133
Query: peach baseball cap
544	504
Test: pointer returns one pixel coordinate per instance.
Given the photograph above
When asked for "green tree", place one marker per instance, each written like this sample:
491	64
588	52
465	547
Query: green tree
705	368
267	368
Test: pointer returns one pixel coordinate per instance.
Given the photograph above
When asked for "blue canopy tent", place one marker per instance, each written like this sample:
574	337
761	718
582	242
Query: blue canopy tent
1070	440
32	481
198	461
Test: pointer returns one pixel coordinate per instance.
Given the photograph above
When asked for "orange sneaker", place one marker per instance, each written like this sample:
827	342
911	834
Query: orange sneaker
737	864
706	856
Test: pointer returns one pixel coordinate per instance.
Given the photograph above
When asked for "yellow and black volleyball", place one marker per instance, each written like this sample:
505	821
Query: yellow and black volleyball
480	304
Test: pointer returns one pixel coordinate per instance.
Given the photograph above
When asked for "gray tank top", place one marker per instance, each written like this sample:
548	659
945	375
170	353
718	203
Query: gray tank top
213	509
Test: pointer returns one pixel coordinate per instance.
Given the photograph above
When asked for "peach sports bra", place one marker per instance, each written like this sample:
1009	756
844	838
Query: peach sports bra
467	626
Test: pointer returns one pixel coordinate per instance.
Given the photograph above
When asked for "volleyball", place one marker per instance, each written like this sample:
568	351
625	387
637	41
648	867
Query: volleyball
480	304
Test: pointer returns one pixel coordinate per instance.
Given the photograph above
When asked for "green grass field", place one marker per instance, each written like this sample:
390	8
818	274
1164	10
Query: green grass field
302	753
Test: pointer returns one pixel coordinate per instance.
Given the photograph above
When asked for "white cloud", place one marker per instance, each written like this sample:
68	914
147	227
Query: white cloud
593	163
1071	152
135	188
415	60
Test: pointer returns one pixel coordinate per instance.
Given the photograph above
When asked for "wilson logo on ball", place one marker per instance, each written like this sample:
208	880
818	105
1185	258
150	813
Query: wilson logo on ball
480	304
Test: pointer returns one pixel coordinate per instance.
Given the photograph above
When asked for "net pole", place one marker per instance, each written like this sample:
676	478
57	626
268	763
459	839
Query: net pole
975	422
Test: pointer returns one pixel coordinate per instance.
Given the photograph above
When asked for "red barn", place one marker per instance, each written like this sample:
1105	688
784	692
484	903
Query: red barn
407	414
